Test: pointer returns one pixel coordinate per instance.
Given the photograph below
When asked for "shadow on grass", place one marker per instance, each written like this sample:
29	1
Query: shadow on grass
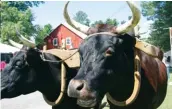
167	104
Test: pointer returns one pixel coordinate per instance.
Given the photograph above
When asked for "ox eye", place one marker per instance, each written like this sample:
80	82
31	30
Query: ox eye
109	52
19	64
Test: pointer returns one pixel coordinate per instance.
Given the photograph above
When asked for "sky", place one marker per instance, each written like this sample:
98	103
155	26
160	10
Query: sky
52	11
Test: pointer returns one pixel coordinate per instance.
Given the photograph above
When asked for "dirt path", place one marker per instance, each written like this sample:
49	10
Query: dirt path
31	101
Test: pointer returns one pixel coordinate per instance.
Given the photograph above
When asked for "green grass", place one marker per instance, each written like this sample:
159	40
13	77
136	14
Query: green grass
167	104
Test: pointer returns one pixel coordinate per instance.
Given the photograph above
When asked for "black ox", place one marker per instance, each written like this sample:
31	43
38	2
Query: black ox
108	67
27	72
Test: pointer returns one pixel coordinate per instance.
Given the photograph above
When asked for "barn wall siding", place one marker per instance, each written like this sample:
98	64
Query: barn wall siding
62	32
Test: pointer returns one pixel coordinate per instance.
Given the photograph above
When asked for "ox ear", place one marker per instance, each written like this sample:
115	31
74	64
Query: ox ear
126	41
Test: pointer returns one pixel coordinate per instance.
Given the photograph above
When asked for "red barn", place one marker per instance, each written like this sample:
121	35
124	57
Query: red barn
64	36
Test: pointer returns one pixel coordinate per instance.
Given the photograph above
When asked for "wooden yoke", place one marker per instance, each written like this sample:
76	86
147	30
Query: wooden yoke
73	61
149	49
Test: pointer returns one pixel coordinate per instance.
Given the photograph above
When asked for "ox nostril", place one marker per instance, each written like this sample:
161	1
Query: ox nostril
80	86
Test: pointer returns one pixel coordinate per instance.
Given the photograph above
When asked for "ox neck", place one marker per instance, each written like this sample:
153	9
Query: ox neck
48	78
124	82
51	81
50	89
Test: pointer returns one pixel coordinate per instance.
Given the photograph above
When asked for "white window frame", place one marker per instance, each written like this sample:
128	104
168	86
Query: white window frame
70	41
55	39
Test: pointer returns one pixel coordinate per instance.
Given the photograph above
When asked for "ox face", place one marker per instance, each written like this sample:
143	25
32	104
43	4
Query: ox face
18	77
102	61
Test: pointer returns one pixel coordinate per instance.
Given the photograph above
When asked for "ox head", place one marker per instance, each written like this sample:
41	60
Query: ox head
104	62
18	77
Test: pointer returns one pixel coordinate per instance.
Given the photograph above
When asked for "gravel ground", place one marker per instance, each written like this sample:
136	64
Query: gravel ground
30	101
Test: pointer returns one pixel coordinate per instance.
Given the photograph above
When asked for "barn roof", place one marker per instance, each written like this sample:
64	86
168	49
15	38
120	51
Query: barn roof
80	34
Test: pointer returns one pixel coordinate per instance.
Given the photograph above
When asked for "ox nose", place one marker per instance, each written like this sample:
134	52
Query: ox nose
75	87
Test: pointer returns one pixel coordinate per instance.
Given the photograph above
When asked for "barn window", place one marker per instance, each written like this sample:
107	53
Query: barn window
68	41
55	43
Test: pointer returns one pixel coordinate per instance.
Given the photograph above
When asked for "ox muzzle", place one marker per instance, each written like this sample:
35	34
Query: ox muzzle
79	89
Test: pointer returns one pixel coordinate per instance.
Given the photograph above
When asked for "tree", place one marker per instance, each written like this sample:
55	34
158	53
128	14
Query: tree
129	17
148	9
111	22
108	21
41	33
122	22
82	18
15	16
97	22
160	13
24	5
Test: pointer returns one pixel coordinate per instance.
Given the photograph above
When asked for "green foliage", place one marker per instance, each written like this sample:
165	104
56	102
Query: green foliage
108	21
129	17
97	22
122	22
24	5
41	33
16	15
160	13
111	22
82	18
11	17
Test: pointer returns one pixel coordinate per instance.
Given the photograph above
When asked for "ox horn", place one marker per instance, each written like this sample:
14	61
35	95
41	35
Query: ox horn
132	22
73	23
25	40
15	44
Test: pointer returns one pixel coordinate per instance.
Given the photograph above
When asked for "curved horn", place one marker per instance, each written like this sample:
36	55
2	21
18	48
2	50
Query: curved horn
25	40
15	44
131	23
73	23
